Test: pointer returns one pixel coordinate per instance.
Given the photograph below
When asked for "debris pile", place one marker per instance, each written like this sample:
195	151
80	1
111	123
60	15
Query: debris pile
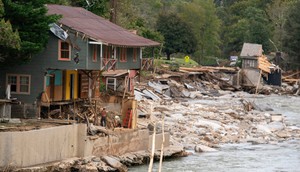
211	121
105	163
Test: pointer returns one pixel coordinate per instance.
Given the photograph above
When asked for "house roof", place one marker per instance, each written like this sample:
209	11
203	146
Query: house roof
98	28
254	50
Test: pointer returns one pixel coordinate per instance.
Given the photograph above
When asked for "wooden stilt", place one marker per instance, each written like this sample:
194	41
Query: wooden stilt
162	144
258	82
153	149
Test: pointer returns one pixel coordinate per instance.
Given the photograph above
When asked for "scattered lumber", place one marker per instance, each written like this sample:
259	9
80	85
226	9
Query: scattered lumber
208	69
264	64
222	81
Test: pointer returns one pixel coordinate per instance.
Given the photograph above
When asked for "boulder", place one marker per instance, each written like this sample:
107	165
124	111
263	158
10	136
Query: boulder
114	163
283	134
202	148
273	126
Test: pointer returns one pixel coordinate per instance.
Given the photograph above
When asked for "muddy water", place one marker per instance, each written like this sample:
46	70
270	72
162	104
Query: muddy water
280	157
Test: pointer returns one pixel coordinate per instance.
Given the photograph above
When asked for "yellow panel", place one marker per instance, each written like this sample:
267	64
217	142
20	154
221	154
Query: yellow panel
68	84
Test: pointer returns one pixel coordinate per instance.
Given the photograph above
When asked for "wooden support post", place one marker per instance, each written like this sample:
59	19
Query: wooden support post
74	110
258	82
162	144
153	149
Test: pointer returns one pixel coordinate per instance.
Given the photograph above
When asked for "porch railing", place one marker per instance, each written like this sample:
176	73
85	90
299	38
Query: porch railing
147	63
108	64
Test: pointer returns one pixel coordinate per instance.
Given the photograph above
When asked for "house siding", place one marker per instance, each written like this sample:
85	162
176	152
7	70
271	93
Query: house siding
129	64
37	81
48	59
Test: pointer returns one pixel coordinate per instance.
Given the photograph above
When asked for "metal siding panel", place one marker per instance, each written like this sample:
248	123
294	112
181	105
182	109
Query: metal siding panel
129	64
93	65
50	55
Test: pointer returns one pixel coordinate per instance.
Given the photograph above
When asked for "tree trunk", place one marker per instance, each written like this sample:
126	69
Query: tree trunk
168	56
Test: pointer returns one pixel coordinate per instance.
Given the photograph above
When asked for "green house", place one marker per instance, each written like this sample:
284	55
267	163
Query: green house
83	51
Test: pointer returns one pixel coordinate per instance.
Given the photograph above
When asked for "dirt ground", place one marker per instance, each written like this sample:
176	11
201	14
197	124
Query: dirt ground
31	124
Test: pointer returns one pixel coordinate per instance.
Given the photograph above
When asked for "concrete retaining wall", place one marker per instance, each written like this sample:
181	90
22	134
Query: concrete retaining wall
120	143
22	149
29	148
158	141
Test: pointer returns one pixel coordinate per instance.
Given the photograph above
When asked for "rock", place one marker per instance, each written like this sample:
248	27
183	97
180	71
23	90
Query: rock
96	159
186	93
273	126
114	163
283	134
90	168
276	117
256	141
264	129
202	148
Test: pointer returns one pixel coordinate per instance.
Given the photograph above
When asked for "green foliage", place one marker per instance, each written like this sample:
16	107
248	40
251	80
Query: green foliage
179	61
99	7
153	35
201	16
9	39
32	23
245	21
292	27
177	34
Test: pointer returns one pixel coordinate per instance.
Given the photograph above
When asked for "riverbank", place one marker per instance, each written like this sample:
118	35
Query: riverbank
246	156
212	121
104	163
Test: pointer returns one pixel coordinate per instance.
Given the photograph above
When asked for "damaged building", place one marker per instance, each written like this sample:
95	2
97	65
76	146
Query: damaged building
85	56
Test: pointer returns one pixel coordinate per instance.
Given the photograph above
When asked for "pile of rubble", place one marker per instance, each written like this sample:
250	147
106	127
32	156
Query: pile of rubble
104	163
199	114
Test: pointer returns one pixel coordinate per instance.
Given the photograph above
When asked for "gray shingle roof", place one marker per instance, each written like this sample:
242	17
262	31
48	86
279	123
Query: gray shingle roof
252	50
98	28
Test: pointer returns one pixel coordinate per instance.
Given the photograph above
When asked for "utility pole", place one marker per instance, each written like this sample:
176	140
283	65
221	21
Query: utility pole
113	11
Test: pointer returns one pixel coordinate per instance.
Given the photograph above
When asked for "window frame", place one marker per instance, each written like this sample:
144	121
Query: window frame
60	51
123	54
95	53
107	52
109	85
18	83
134	55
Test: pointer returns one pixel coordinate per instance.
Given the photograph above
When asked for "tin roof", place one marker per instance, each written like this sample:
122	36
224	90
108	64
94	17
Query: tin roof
98	28
253	50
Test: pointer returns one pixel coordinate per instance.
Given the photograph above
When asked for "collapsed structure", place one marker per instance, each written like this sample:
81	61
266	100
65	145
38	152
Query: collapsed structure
85	56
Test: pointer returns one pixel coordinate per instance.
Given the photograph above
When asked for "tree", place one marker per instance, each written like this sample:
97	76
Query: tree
277	12
201	16
178	35
9	39
292	27
32	23
246	21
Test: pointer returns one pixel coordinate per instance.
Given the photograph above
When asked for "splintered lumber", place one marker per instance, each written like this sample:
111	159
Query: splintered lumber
264	64
222	81
208	69
291	75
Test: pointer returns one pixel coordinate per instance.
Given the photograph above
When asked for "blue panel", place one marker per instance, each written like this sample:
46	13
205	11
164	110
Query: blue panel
58	77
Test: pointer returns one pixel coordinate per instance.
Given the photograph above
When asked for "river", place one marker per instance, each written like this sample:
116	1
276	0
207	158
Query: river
280	157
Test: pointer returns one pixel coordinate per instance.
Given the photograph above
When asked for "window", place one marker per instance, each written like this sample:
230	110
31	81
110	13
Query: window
111	84
123	55
134	54
64	51
95	53
107	52
19	84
